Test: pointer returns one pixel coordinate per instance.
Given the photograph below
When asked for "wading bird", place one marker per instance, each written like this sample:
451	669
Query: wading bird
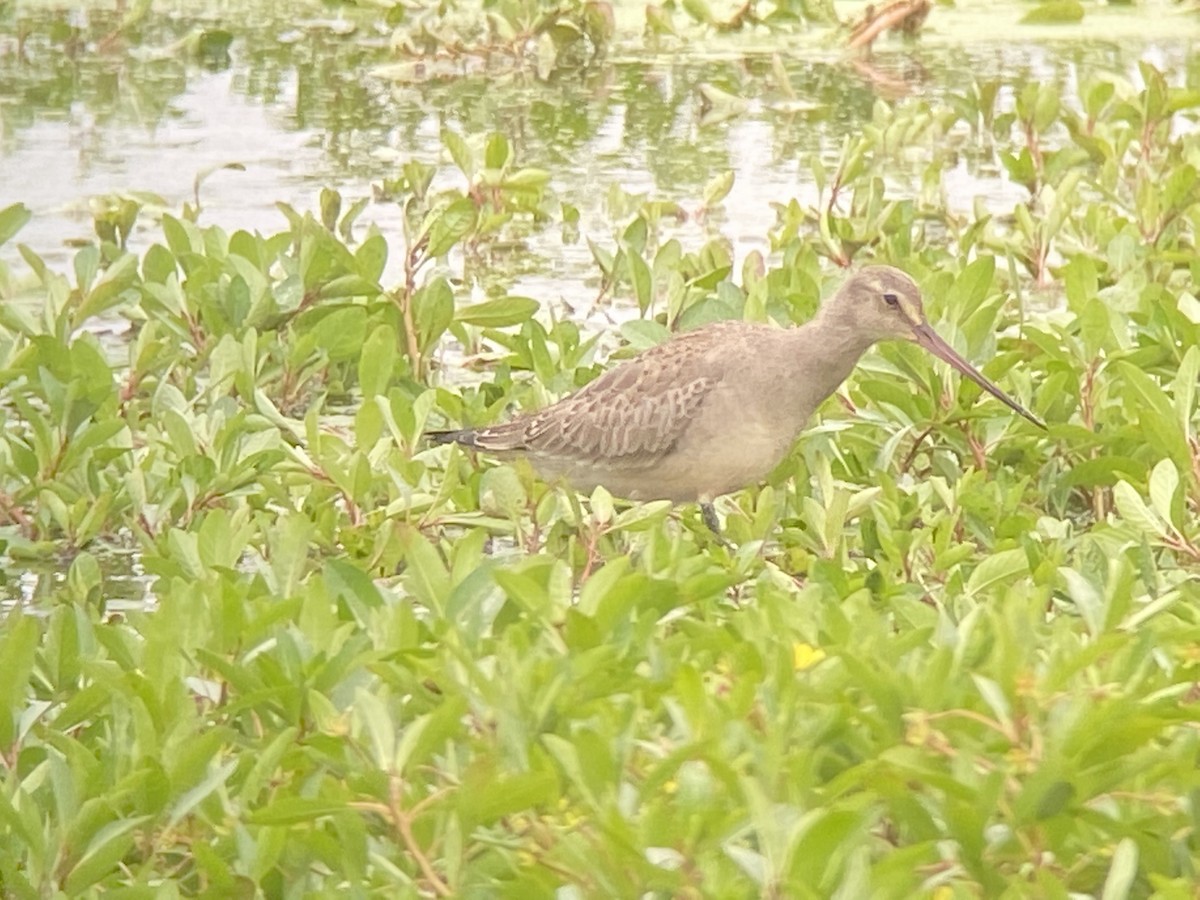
716	409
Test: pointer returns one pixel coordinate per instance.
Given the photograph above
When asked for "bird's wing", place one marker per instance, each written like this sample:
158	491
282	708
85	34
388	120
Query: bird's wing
637	410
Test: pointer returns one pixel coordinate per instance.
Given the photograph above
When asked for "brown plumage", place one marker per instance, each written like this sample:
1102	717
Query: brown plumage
716	409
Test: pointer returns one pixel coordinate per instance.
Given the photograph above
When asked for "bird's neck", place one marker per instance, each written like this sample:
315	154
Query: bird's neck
831	349
794	371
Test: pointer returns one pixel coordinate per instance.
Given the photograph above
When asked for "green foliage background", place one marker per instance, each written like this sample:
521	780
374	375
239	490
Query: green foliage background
949	654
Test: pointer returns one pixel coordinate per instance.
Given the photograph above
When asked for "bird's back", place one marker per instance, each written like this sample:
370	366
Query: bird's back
620	429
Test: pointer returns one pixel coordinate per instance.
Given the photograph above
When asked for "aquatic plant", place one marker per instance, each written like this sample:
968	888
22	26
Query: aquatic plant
945	653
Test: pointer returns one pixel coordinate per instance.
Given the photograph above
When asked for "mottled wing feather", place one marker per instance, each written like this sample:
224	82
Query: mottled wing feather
637	410
612	426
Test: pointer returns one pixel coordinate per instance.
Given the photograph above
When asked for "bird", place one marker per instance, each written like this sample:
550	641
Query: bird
714	410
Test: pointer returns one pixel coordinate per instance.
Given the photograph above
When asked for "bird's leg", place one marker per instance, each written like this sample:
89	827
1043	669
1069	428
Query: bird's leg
709	514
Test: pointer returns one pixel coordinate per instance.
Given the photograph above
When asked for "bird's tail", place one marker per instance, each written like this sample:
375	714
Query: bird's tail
503	438
464	436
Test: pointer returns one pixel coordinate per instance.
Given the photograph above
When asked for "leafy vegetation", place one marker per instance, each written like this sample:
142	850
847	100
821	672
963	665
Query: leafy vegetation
947	654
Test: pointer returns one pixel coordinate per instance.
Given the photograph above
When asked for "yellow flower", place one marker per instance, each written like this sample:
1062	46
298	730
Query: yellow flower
805	656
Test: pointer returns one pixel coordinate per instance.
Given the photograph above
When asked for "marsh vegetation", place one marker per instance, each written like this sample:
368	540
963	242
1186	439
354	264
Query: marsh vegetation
258	638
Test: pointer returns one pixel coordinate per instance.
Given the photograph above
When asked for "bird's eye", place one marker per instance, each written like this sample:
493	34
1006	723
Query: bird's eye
891	300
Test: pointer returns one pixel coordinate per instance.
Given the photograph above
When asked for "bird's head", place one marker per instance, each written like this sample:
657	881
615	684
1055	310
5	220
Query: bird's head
880	303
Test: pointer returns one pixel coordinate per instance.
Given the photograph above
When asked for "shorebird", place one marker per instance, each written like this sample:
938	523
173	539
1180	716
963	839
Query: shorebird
716	409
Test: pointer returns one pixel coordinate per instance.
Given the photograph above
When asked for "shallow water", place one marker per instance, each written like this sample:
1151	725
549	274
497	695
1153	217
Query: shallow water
302	105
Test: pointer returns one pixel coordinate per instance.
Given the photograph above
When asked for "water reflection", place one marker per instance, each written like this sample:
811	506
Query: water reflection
37	587
304	107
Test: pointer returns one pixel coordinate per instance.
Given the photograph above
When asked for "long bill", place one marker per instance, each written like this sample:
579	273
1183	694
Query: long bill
932	341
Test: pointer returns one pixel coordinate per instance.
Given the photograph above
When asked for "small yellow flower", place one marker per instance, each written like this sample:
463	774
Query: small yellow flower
805	656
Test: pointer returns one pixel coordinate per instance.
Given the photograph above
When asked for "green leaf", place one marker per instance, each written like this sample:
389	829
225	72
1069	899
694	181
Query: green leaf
265	764
433	311
498	152
718	188
973	285
214	779
643	516
372	717
426	574
180	235
18	647
1054	799
1154	97
37	264
699	10
635	235
110	290
342	332
330	202
103	853
1056	12
602	257
346	226
1081	282
1122	252
1155	412
529	179
1045	110
408	742
158	264
1122	872
450	225
1133	510
351	285
642	334
1086	597
753	864
459	152
993	695
509	795
294	810
1183	388
353	588
639	276
371	257
1104	471
1164	481
501	492
566	754
87	265
1095	327
1001	568
12	219
377	363
502	312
